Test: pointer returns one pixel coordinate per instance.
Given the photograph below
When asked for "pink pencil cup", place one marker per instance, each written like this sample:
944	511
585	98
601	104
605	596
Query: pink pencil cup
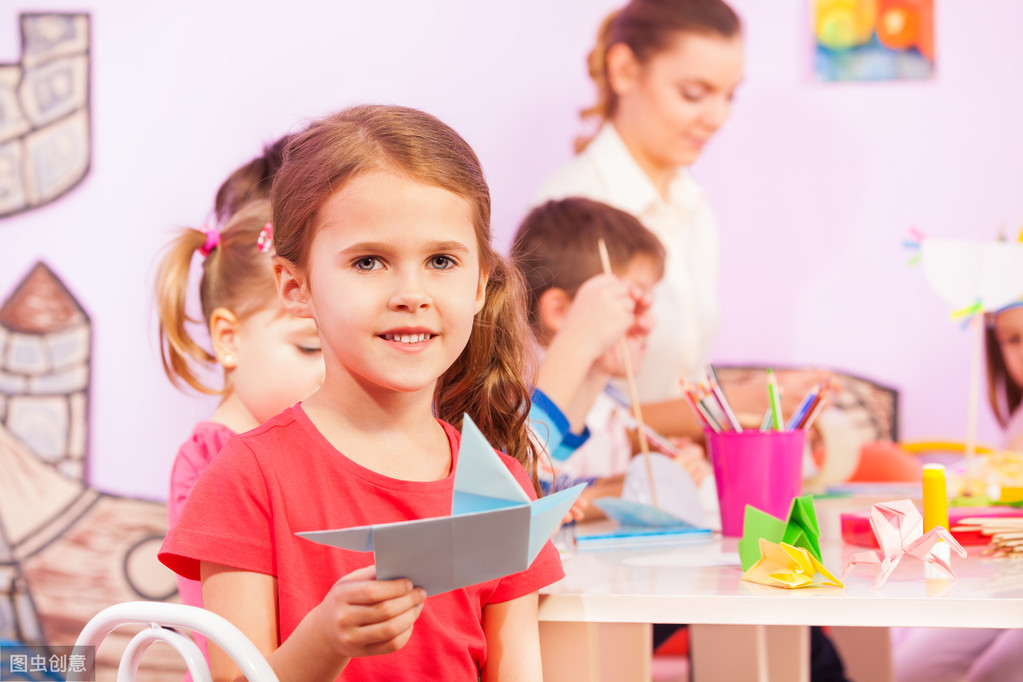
759	468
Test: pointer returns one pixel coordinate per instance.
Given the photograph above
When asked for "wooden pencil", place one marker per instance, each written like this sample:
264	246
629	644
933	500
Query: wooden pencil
630	378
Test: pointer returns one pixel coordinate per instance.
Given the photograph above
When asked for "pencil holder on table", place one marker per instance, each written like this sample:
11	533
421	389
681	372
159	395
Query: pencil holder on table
760	468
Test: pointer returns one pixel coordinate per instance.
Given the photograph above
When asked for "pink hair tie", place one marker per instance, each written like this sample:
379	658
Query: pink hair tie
265	241
212	239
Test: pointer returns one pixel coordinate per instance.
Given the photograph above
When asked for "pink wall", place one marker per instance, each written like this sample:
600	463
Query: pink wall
814	185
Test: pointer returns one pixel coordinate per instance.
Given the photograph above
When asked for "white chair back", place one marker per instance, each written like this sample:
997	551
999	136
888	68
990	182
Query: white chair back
162	618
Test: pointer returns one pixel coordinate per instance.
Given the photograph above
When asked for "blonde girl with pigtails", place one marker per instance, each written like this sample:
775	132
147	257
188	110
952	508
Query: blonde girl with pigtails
246	348
382	236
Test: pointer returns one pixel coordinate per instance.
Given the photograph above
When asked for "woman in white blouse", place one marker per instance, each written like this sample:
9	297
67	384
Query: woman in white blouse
666	72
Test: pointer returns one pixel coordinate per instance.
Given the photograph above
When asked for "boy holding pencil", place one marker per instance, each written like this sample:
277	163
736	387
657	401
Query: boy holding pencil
556	247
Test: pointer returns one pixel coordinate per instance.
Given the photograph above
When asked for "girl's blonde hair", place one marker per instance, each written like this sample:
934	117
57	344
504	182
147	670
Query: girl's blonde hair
647	27
236	275
488	381
998	379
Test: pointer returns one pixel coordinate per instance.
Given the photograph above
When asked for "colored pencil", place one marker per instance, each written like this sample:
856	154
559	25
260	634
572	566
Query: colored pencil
804	407
774	398
657	440
719	396
701	412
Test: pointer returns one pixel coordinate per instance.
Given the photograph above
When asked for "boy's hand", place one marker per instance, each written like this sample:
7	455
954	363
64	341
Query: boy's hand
362	616
603	310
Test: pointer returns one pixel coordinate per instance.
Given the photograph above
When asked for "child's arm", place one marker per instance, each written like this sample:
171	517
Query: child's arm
360	616
513	640
602	312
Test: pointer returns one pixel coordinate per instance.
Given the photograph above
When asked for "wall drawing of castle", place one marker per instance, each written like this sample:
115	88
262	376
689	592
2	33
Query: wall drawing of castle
45	146
66	550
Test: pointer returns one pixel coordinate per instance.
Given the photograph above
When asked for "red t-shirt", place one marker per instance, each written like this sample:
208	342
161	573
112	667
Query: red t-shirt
285	477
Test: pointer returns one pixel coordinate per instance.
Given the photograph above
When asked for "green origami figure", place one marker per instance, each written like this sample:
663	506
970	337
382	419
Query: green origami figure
799	530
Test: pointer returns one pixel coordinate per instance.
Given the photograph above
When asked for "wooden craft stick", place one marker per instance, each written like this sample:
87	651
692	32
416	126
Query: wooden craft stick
630	378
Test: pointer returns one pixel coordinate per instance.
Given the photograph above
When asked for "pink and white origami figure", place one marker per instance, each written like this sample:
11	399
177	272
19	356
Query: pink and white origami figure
898	527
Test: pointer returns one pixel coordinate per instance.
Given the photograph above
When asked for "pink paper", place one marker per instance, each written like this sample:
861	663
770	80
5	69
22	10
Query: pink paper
898	527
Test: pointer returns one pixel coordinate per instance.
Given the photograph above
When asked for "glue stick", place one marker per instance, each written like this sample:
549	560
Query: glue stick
935	497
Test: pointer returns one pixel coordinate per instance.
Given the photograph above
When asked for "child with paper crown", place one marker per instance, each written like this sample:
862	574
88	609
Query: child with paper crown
975	654
556	249
382	236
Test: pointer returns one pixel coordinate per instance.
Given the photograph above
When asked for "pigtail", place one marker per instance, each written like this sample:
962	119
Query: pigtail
596	63
236	275
489	381
179	352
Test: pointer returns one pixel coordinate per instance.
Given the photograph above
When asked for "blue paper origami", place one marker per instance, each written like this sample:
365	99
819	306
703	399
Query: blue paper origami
494	529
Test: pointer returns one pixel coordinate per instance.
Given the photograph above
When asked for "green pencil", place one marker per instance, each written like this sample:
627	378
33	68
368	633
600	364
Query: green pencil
773	398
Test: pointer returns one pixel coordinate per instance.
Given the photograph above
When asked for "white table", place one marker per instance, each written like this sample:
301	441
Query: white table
628	589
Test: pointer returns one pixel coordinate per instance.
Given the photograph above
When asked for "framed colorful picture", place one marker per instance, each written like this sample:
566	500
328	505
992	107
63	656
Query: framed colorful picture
873	40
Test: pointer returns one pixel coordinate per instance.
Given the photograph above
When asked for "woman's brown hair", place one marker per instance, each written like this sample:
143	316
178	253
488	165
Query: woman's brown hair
488	380
998	379
648	27
235	275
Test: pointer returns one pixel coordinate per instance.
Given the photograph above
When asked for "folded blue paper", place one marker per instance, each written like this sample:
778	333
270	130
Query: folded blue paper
629	513
626	537
494	529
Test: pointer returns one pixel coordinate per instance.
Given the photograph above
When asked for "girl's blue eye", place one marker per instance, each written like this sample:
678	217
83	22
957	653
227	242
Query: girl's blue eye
309	350
442	262
367	263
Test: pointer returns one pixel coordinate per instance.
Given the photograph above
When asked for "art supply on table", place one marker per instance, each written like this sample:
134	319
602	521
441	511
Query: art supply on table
702	414
681	502
1005	533
798	528
965	524
658	441
782	565
898	527
760	468
815	409
719	397
630	377
634	537
805	407
935	497
713	407
774	400
714	412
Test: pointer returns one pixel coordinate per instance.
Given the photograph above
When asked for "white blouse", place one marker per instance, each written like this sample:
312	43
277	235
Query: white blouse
685	309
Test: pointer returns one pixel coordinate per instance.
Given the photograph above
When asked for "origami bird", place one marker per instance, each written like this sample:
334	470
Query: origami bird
898	527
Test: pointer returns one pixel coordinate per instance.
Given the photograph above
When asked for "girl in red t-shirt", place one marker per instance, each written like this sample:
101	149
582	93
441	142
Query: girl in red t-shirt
382	236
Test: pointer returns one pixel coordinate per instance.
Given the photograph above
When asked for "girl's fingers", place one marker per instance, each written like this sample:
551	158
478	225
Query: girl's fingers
367	614
364	573
368	592
385	638
389	632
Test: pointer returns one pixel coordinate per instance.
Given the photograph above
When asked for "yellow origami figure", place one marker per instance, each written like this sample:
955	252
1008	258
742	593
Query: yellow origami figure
782	565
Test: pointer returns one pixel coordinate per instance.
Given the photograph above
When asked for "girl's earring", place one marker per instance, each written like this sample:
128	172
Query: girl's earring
228	361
